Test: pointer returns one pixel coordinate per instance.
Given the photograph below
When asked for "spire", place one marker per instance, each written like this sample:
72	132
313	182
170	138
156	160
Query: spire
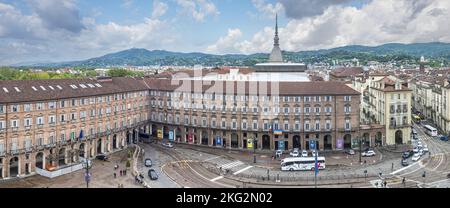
276	55
276	39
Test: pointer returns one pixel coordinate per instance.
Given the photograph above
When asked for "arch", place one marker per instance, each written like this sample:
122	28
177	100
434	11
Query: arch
39	160
99	146
399	137
234	140
115	141
62	157
379	138
204	138
178	135
266	141
296	143
347	141
327	142
154	132
365	140
82	150
166	132
13	167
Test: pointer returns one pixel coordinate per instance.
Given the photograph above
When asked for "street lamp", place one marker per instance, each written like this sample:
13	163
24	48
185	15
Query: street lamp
254	149
360	149
87	164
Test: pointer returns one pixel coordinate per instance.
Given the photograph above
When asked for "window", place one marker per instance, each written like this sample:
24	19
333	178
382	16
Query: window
275	125
266	125
74	102
286	110
51	105
213	123
255	124
233	123
244	124
347	109
306	125
286	125
14	123
39	106
317	109
63	118
2	125
328	98
347	124
203	121
317	125
297	125
62	103
347	98
2	109
306	110
224	125
328	109
27	107
15	108
73	116
186	120
317	99
306	98
27	122
327	124
51	119
40	121
297	110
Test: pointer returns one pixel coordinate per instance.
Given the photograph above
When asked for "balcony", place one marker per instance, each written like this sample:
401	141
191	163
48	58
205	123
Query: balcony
15	129
40	126
399	126
2	131
51	124
27	127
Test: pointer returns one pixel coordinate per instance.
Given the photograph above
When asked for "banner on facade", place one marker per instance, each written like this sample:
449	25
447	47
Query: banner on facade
160	133
340	143
281	145
278	132
190	138
218	141
249	143
312	144
171	137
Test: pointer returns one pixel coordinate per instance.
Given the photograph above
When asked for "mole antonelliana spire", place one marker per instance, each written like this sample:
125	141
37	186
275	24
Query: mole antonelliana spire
275	55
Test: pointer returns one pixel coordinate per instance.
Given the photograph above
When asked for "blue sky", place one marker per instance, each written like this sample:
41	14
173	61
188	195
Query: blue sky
64	30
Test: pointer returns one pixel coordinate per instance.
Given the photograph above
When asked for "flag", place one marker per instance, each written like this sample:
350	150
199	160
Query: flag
316	164
81	134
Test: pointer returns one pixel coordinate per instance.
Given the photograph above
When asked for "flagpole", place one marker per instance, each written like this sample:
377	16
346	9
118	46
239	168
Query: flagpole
316	168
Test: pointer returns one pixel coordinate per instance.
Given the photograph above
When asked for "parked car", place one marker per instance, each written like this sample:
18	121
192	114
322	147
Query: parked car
425	148
314	152
416	157
369	153
444	138
349	152
304	153
168	144
294	153
406	154
148	162
278	153
421	152
405	162
296	149
416	150
102	157
152	174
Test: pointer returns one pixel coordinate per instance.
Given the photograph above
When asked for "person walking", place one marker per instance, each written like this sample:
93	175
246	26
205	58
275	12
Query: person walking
115	174
120	172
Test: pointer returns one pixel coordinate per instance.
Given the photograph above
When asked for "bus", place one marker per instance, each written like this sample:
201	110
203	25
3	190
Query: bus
430	130
301	163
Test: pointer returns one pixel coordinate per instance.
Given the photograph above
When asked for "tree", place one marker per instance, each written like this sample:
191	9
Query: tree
118	73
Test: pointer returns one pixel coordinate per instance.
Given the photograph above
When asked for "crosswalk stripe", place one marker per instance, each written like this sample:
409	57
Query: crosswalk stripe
242	170
216	178
231	165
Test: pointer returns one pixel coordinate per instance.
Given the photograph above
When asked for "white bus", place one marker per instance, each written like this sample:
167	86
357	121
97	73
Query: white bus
431	130
301	163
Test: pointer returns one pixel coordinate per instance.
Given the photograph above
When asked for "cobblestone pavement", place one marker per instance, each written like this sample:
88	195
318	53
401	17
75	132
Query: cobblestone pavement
102	177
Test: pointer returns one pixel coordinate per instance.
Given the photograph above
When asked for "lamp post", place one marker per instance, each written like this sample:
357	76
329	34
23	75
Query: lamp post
87	176
360	149
254	149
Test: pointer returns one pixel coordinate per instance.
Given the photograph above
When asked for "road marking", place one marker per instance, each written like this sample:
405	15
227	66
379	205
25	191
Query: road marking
242	170
231	165
404	168
216	178
212	158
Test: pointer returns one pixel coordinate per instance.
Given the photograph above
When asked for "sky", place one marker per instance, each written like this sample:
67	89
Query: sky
34	31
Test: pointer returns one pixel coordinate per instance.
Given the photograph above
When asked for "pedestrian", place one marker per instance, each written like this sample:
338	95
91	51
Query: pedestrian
385	184
120	172
115	174
404	180
392	168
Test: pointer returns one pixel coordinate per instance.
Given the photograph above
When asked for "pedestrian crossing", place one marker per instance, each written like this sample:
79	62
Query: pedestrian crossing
231	165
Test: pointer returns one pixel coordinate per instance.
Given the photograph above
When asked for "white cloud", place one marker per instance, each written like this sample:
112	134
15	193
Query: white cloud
227	44
378	22
198	9
268	9
159	9
59	14
127	3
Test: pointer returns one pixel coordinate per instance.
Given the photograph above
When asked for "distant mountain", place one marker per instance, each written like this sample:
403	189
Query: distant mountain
387	52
